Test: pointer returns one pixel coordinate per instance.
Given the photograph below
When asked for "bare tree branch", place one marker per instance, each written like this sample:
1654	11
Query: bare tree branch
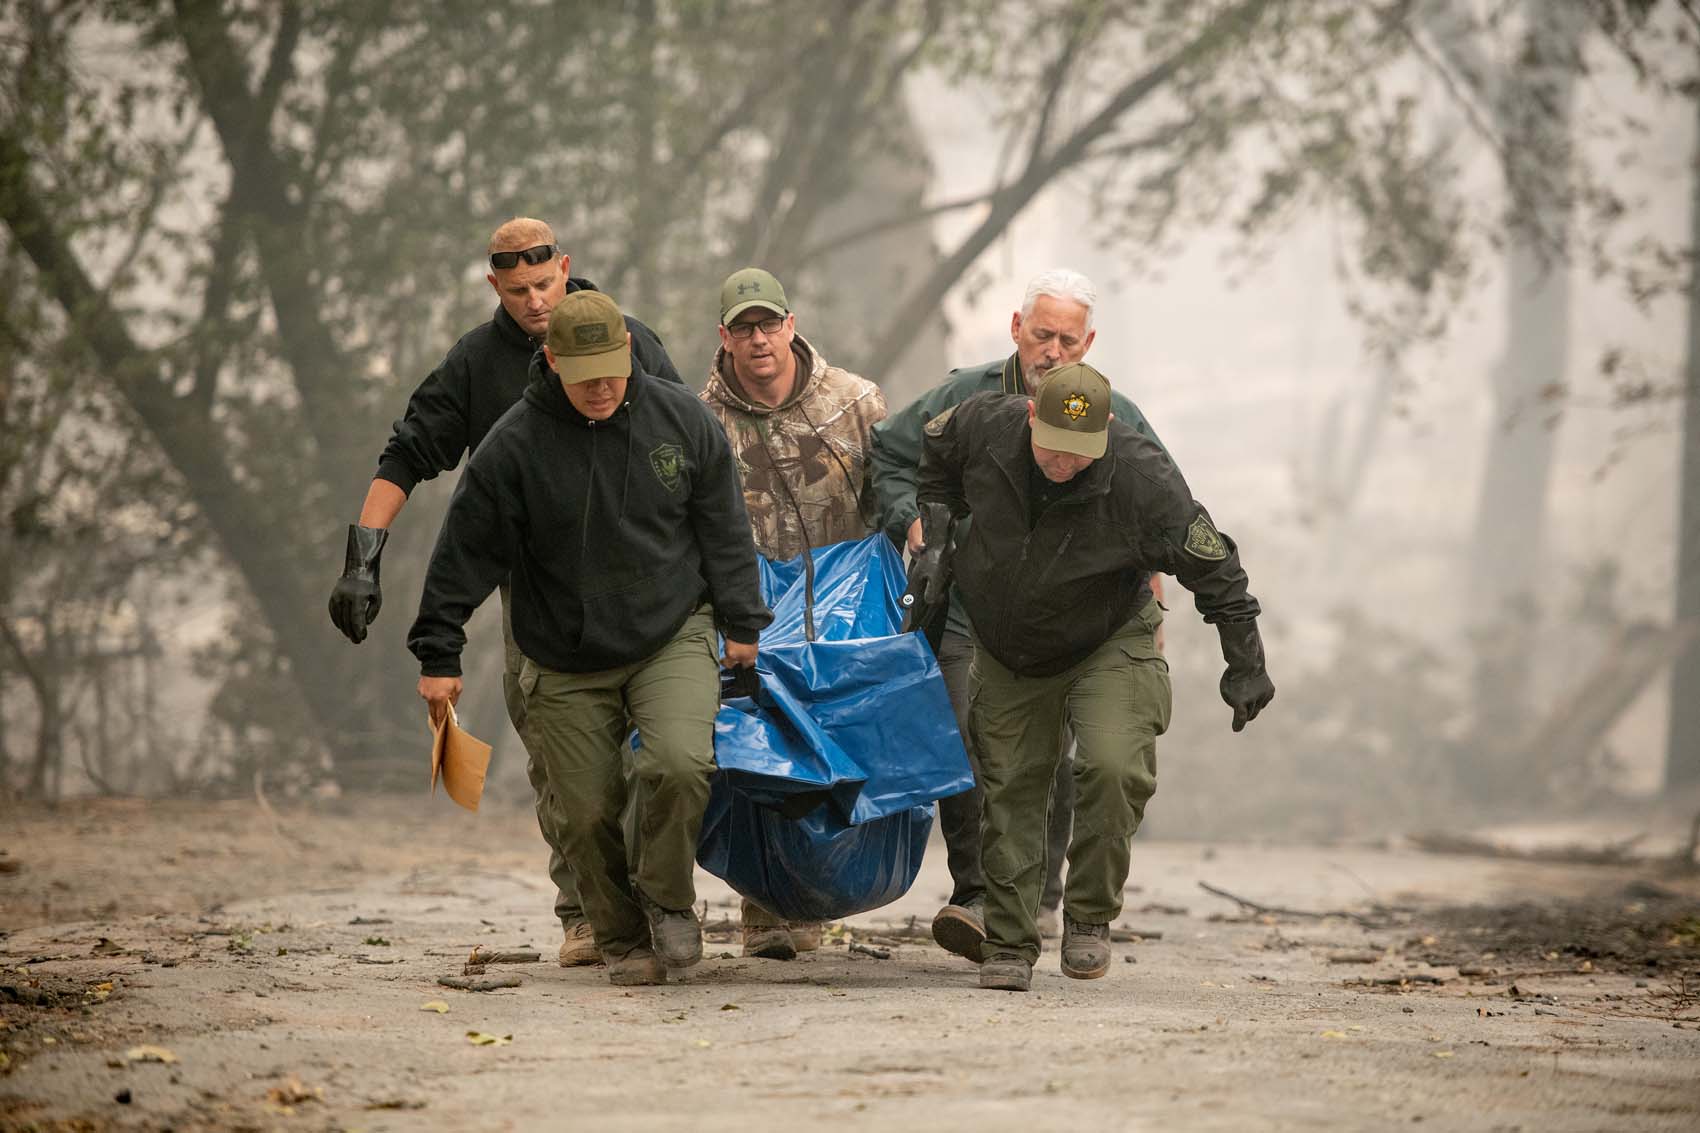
1055	80
922	301
166	173
904	220
261	181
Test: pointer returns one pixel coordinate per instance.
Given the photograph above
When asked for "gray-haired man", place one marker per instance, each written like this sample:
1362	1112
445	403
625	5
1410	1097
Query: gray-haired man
1053	327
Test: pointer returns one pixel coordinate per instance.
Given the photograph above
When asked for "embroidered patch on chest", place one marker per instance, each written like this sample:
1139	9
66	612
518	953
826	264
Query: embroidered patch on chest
935	427
1203	541
668	462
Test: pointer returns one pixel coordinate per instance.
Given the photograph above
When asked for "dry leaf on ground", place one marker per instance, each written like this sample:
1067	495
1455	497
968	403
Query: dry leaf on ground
149	1054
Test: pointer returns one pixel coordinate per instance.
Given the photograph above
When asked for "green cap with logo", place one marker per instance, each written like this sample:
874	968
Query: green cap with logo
587	336
1072	411
750	287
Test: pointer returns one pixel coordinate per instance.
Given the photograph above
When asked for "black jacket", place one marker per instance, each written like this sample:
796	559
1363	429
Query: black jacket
1043	596
476	382
613	531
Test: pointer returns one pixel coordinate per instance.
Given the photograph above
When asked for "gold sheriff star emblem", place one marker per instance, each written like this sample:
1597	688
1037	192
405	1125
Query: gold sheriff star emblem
1075	406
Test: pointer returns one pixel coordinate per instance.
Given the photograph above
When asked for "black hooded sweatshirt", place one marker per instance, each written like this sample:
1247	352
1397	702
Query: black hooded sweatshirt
476	382
614	531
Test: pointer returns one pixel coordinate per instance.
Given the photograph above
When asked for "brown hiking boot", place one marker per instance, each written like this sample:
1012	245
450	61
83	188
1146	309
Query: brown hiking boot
805	935
961	929
578	948
1005	971
771	942
640	967
1085	949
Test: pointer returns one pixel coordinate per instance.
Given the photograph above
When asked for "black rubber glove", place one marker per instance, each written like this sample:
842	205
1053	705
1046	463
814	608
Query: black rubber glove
356	599
1246	685
926	598
933	564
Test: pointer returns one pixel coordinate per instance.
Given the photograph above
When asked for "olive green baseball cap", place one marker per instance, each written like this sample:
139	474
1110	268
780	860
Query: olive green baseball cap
587	336
750	287
1072	411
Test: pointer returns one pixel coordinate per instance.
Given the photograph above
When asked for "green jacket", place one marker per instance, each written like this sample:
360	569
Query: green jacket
897	440
1047	590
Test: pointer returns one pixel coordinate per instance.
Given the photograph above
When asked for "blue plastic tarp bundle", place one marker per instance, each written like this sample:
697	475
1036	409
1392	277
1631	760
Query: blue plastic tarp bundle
822	803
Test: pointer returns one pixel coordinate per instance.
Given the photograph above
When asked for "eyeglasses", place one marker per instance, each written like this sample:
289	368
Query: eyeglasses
530	255
768	326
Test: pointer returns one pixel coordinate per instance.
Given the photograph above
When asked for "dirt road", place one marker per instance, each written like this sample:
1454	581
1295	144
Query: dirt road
284	963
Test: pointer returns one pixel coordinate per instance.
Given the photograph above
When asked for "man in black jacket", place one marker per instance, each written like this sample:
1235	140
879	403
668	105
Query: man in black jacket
448	415
1072	513
611	499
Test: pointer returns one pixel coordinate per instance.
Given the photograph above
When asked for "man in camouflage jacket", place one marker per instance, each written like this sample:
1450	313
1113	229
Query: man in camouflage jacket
800	432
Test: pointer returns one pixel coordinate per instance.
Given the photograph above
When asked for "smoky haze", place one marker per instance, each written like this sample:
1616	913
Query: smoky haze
1413	314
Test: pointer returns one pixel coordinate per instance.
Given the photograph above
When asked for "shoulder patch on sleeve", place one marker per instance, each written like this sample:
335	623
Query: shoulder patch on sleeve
935	427
1203	542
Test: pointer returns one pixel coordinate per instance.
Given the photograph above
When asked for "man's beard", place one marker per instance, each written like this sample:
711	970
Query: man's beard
1031	380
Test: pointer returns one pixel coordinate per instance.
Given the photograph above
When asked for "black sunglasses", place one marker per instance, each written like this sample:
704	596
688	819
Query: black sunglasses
530	255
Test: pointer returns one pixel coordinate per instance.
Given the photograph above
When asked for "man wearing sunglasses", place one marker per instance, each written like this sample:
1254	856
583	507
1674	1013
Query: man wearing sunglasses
481	377
800	431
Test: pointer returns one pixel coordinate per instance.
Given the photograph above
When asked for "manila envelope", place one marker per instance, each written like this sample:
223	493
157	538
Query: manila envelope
459	759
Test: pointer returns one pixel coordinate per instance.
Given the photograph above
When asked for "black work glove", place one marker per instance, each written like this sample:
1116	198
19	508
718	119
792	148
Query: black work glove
1246	685
932	566
356	599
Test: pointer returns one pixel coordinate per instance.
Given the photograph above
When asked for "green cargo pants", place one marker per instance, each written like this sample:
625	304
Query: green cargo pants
576	726
567	906
1117	701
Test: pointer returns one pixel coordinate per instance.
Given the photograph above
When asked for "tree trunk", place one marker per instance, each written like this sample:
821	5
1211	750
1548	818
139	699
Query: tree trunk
1682	761
1508	541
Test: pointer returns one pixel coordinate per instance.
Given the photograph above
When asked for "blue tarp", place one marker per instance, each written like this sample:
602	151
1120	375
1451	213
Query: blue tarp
822	803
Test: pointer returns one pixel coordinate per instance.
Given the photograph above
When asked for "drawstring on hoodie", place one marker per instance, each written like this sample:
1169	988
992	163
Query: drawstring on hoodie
803	526
590	483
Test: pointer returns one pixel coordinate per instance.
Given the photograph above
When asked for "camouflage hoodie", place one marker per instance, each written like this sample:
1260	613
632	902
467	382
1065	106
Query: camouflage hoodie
807	456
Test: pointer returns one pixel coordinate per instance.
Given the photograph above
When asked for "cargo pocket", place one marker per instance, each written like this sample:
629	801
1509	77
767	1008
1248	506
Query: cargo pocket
520	687
1149	689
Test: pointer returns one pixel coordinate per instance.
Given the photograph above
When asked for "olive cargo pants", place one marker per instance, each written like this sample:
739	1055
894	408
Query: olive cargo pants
576	727
959	815
567	906
1117	702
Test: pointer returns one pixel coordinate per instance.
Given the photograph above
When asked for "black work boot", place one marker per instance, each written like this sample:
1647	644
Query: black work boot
961	929
676	933
1005	971
1085	949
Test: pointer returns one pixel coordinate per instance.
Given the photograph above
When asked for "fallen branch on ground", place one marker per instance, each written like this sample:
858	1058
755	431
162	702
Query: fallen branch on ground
481	983
511	956
1305	914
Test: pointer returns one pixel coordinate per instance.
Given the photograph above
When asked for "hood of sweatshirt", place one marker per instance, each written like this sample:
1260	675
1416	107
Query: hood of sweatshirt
723	385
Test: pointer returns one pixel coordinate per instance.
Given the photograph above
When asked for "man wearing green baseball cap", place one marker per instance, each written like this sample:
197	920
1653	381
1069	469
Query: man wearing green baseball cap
611	498
448	416
1052	326
1072	511
800	429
